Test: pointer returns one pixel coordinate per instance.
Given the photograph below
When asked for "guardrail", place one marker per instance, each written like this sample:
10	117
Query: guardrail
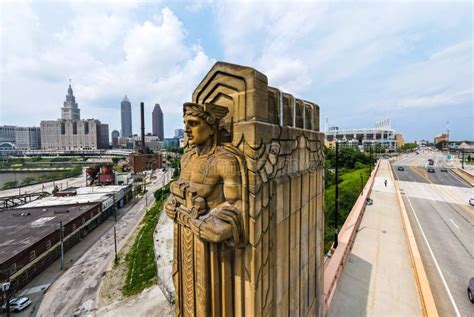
335	264
465	175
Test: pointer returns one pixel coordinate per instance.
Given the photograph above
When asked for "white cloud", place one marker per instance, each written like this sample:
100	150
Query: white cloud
107	52
330	41
444	79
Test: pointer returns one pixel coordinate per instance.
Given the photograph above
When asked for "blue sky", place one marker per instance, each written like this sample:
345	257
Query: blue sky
360	61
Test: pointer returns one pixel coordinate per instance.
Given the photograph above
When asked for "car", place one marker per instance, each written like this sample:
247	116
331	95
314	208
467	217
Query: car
470	289
431	170
431	162
471	201
18	304
400	168
444	169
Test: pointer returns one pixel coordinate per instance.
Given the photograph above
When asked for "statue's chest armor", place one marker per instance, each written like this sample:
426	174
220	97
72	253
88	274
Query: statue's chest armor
201	173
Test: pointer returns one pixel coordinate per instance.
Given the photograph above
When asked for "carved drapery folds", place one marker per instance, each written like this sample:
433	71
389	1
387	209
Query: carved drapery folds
250	244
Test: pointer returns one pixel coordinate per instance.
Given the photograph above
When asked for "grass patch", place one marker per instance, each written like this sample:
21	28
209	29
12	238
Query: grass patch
140	261
351	183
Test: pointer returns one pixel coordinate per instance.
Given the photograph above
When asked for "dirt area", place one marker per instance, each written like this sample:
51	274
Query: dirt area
150	302
114	279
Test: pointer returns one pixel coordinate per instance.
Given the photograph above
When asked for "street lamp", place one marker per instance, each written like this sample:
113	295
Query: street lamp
336	214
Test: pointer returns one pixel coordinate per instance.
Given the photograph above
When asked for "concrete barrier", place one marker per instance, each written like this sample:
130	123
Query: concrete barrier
334	265
465	175
422	283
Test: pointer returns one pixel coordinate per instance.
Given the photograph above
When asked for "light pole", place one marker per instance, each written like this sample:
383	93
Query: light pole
336	214
61	239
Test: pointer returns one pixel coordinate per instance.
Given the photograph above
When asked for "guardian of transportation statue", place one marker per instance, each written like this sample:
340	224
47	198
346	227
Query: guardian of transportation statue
247	207
205	204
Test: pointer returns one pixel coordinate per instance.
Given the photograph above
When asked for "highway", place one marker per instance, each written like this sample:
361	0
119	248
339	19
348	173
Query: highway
443	224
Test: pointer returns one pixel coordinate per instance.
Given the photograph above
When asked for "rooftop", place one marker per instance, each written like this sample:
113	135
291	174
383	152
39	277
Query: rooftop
20	228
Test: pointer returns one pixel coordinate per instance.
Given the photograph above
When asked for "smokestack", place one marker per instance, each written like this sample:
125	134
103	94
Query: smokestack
142	118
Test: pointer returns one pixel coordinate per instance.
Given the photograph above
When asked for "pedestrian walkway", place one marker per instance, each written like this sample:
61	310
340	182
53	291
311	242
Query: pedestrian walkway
378	278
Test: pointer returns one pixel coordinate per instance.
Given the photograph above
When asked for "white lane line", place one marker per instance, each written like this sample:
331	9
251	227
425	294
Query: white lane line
457	227
434	259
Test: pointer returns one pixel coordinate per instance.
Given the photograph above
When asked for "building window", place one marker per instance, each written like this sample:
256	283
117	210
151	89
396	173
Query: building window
32	255
48	244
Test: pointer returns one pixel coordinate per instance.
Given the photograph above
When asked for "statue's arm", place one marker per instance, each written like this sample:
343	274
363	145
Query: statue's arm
224	221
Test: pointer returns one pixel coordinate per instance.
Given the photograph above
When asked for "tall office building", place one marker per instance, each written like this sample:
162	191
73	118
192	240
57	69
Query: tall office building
126	111
178	133
72	133
28	138
7	133
157	117
70	109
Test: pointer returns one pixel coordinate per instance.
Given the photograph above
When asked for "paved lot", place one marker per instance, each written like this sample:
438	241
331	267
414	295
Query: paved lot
378	279
443	224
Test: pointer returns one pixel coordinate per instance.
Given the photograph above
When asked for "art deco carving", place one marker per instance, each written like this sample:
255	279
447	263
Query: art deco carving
248	205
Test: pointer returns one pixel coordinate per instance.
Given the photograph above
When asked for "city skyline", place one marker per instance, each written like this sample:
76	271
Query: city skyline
360	62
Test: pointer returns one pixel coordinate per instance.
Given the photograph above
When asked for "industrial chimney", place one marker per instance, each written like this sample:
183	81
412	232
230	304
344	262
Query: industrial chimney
142	118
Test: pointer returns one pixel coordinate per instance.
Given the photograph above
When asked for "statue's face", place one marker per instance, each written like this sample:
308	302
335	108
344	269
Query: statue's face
197	130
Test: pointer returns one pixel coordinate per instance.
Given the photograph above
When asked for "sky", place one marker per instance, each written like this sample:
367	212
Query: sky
360	61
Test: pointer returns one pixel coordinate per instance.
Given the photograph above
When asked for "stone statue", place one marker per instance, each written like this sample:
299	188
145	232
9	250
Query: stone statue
248	206
205	203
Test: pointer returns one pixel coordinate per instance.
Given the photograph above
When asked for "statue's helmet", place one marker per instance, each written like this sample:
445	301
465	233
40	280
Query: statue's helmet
211	113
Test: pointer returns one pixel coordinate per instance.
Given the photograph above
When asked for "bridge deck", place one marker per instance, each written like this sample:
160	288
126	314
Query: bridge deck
378	278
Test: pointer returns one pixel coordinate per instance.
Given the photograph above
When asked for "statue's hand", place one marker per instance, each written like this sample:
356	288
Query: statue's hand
170	207
220	224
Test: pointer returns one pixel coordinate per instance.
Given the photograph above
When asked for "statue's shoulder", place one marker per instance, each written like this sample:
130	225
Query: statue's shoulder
227	155
187	155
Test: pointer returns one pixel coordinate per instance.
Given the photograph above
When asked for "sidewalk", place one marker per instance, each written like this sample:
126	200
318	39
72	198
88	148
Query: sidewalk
378	278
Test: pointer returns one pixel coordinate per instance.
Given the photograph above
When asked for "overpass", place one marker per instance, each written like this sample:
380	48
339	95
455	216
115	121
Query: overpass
109	152
410	253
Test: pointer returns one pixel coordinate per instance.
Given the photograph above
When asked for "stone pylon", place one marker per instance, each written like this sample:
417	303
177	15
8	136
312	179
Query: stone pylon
248	206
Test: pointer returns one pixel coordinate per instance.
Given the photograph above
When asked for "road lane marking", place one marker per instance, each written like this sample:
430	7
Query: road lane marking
456	200
454	223
434	259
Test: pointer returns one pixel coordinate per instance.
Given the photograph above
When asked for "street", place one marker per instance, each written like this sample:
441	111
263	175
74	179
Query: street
443	224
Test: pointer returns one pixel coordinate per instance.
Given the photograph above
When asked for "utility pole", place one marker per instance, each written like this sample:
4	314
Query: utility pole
7	294
115	243
370	158
61	237
462	159
336	214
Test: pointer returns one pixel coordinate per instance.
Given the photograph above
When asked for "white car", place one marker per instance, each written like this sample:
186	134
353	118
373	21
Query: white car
17	304
471	201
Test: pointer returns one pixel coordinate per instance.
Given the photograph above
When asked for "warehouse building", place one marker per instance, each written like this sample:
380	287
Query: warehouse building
31	234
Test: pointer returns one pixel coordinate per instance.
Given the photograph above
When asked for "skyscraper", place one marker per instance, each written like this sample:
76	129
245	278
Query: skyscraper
72	133
70	110
126	111
157	117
